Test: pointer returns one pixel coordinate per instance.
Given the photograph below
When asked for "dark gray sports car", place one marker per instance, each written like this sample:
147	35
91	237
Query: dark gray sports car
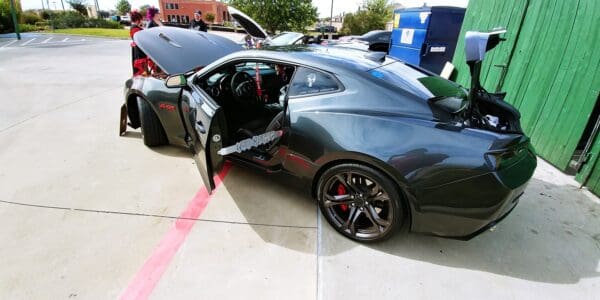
379	143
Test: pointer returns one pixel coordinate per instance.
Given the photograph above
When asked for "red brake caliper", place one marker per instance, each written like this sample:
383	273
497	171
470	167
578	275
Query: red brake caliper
341	190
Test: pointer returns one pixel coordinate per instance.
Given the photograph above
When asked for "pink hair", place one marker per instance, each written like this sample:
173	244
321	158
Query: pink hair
151	12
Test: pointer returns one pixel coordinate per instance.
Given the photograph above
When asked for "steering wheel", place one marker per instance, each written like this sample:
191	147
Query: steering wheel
243	86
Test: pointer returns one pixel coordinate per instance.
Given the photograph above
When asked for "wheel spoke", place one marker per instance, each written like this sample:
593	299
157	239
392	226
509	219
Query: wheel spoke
334	203
374	190
375	218
380	197
346	182
351	184
351	221
338	197
337	200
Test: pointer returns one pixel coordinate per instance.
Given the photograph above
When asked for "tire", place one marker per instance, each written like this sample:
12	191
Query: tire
371	200
153	133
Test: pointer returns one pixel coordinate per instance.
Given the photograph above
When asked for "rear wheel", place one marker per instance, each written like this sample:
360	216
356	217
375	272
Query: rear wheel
153	133
360	202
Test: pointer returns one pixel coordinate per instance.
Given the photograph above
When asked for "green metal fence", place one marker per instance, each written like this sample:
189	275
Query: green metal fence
550	68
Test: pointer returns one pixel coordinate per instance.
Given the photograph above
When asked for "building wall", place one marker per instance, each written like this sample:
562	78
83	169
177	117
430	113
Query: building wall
182	11
549	67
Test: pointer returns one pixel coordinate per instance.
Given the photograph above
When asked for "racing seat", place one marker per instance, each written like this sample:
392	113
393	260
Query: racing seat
260	126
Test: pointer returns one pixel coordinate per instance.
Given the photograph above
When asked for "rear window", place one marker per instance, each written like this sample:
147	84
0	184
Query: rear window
309	81
420	83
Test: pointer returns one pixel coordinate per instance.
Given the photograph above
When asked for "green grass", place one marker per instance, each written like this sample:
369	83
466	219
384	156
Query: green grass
105	32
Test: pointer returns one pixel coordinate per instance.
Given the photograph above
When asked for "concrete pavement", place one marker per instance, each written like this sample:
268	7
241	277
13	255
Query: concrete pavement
83	209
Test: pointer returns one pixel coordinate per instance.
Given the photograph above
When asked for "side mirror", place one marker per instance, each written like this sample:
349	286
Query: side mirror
478	43
176	81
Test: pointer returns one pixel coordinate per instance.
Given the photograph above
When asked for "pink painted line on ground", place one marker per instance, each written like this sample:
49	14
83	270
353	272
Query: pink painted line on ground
148	276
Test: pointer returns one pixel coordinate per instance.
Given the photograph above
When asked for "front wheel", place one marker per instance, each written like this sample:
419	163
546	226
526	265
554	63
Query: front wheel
360	202
153	133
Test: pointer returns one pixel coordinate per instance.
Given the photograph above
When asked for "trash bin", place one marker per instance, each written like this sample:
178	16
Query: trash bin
426	36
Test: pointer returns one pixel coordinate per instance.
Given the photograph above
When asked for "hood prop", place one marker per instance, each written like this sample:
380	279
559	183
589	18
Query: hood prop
476	45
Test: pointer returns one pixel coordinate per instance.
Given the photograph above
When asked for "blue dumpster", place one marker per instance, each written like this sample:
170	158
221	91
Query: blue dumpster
426	36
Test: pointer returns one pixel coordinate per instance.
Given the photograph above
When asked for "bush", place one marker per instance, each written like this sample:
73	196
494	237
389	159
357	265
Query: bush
102	23
27	27
72	19
30	18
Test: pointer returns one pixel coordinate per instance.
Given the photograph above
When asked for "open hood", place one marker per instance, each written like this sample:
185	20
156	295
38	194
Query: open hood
251	27
177	50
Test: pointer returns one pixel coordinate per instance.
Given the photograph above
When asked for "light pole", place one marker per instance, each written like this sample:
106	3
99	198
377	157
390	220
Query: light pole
331	15
331	21
63	4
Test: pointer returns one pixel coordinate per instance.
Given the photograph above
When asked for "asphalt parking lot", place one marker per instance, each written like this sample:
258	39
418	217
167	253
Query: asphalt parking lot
85	213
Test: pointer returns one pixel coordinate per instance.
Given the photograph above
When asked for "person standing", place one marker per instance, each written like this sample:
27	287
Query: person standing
197	23
153	16
138	57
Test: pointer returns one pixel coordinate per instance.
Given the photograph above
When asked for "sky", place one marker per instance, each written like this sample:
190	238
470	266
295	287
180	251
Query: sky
324	6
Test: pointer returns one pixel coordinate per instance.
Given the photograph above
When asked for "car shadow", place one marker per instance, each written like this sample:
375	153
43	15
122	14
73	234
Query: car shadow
172	151
552	236
276	206
132	135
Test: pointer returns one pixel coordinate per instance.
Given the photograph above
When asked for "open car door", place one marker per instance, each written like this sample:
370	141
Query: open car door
206	131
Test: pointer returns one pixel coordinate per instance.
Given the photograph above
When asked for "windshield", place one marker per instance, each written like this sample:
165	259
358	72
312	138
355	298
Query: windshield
371	35
285	38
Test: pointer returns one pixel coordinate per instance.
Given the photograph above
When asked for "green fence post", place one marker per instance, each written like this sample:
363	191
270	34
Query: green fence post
13	11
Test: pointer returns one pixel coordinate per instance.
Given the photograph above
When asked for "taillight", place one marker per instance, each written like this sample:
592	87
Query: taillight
501	159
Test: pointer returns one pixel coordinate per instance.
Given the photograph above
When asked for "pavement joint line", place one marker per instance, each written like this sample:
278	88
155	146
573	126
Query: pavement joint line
54	109
154	215
319	240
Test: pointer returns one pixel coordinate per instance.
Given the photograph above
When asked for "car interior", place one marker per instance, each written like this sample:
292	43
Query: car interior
252	96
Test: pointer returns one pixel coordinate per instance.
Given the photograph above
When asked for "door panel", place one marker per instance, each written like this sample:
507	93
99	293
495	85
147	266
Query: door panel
203	119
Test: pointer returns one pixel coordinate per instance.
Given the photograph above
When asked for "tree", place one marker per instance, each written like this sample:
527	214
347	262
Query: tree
6	22
210	17
79	6
123	7
374	16
281	15
143	9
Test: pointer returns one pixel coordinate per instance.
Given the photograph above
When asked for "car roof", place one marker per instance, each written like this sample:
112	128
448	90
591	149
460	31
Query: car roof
332	59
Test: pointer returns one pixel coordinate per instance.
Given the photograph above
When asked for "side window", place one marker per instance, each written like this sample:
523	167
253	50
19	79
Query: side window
308	81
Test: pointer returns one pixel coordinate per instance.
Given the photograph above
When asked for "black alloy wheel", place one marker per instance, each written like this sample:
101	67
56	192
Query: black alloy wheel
360	202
